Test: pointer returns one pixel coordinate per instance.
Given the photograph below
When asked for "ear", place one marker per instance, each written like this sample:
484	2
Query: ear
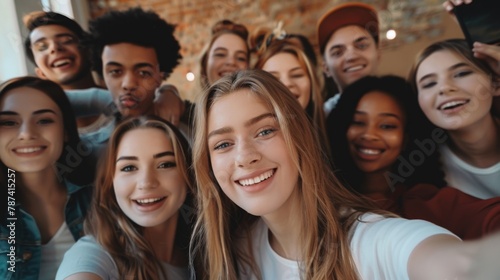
40	74
379	55
496	85
325	69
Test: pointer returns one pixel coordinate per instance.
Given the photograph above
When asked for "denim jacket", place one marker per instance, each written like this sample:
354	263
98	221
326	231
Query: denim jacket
28	244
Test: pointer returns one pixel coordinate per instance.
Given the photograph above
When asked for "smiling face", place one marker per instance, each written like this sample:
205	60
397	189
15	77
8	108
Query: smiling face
376	134
350	54
227	54
287	68
248	154
149	187
31	133
132	74
452	92
57	55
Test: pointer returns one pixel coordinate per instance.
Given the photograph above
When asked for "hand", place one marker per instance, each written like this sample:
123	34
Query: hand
488	53
450	4
168	105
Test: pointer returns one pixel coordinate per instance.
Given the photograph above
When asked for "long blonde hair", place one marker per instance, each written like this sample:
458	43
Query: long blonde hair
326	203
315	106
112	229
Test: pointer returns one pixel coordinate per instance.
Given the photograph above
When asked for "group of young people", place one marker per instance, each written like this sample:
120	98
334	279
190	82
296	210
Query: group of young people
259	178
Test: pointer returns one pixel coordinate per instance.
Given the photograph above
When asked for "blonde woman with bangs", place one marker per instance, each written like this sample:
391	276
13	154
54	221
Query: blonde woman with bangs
270	208
136	228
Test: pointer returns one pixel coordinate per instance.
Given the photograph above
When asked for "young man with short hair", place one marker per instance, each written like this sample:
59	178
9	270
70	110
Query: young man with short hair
348	36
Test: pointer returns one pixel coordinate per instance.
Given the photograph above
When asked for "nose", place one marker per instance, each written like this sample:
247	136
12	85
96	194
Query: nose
55	46
446	86
27	131
147	179
230	60
247	154
286	81
370	133
351	54
129	82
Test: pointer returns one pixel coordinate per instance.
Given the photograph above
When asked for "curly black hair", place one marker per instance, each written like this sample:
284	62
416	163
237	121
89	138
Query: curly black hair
417	128
138	27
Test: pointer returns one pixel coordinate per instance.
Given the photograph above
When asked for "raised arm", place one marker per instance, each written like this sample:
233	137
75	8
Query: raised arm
168	104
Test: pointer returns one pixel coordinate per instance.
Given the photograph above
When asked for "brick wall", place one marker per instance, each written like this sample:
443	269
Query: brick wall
194	19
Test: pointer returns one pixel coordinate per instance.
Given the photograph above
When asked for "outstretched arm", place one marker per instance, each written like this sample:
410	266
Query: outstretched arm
445	257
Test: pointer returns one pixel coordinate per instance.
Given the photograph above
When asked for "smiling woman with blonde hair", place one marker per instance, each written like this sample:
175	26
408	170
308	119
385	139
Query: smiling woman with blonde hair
270	207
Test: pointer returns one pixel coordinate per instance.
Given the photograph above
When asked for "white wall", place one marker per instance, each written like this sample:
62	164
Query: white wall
11	43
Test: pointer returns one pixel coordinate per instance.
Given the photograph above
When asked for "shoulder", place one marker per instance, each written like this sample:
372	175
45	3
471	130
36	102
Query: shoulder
87	256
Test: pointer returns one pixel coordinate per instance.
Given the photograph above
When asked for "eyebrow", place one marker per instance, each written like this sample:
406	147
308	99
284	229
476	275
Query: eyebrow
37	112
380	114
451	68
136	66
158	155
248	123
56	36
357	40
226	50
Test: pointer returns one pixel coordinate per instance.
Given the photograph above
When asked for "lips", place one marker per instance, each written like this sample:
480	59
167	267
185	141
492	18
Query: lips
354	68
256	179
453	104
368	153
149	201
28	150
61	62
129	101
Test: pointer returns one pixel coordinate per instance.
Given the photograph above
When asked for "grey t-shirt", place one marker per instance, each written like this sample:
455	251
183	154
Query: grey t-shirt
90	257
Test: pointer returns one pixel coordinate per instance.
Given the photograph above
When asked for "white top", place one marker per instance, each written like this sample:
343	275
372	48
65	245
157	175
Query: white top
53	252
380	247
482	183
330	104
88	256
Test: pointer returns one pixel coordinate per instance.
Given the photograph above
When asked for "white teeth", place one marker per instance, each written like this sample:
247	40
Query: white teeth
452	104
370	151
148	200
28	150
258	179
61	62
355	68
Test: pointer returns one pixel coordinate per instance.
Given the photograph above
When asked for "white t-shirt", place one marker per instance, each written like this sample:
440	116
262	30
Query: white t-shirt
88	256
482	183
380	247
330	104
53	252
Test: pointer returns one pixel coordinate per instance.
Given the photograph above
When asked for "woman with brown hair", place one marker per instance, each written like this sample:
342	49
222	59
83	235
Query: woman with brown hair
226	52
137	226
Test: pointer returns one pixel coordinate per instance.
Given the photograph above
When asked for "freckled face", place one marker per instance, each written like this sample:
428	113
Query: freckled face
248	154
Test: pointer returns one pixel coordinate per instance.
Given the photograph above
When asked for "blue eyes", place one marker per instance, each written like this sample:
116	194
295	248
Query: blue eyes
268	132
